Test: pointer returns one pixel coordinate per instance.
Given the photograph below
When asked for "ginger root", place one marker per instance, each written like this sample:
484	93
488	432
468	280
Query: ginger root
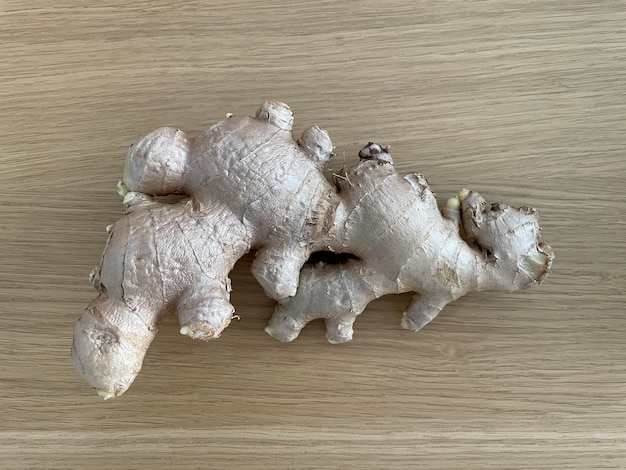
404	243
248	185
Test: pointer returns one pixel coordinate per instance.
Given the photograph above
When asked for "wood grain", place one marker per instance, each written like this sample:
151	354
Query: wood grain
524	101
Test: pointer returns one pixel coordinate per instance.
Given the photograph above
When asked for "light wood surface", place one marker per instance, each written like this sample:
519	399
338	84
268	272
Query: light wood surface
524	101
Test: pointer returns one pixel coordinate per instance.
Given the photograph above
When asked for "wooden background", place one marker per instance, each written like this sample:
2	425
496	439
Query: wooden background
522	100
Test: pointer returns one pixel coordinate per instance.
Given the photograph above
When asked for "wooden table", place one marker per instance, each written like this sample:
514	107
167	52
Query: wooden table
522	101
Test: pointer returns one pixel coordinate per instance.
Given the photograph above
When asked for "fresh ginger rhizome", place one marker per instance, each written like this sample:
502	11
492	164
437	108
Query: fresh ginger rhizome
248	185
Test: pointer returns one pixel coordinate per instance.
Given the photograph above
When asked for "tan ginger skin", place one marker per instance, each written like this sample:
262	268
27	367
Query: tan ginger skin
250	186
